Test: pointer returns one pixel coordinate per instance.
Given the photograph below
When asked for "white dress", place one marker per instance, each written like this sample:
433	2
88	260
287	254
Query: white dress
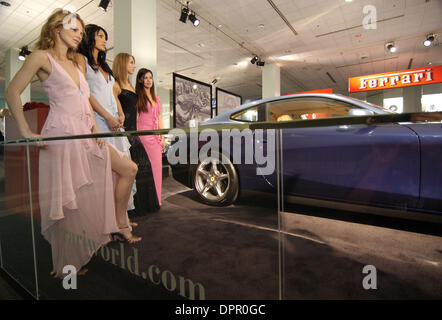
102	91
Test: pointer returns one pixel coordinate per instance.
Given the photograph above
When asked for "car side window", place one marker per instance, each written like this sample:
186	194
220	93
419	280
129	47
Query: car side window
307	108
253	114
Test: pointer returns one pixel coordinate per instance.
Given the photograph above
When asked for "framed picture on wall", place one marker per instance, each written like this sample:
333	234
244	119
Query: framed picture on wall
192	101
226	101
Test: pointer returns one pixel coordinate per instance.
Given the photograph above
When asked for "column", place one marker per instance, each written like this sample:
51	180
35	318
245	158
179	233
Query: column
135	23
271	80
412	99
11	68
376	97
165	95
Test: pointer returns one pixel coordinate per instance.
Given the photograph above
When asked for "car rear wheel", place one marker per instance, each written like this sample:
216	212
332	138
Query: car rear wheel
216	181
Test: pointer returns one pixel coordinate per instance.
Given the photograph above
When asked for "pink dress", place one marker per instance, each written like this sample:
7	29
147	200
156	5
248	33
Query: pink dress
152	144
76	192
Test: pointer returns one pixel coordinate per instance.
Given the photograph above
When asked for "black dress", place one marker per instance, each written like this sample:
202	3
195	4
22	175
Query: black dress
145	200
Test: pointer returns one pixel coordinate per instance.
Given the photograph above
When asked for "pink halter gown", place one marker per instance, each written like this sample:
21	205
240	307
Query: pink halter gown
76	194
152	144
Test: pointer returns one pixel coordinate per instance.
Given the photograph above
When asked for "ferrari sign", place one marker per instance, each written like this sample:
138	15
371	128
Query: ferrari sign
398	79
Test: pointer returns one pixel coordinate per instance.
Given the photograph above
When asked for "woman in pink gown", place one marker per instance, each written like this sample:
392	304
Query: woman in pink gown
79	211
149	118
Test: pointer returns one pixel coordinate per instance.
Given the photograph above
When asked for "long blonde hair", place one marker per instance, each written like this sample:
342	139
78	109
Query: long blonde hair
119	67
48	31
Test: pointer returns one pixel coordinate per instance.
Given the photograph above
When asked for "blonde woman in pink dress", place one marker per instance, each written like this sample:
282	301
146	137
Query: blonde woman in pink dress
79	211
149	118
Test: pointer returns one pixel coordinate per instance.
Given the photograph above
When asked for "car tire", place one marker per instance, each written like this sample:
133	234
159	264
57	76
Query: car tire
215	180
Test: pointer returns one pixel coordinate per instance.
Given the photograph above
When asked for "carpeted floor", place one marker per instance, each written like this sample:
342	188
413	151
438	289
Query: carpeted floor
193	251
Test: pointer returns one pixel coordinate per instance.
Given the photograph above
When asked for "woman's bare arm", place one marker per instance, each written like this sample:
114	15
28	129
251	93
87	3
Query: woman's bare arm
96	106
21	80
81	62
95	129
116	91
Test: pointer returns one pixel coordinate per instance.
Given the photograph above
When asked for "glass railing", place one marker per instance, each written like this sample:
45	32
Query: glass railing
189	250
18	215
361	209
317	209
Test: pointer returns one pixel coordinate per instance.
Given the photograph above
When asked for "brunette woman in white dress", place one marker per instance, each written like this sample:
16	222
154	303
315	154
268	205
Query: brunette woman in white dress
104	101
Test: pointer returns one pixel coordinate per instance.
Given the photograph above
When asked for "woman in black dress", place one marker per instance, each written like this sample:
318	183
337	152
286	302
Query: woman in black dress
145	199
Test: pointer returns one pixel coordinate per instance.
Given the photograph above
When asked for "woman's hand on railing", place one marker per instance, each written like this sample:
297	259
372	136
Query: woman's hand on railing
32	135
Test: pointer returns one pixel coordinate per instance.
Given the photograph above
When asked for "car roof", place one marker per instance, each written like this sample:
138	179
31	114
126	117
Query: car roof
225	117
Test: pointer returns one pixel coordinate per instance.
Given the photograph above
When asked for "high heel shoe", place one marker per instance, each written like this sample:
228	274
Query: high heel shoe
133	224
125	235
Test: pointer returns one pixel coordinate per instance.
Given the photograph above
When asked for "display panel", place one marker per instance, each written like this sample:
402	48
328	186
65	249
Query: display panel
189	249
226	101
18	214
360	209
432	102
192	101
394	104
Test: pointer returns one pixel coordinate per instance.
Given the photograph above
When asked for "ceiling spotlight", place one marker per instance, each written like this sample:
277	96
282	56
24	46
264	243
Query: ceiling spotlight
104	4
4	3
254	60
194	19
23	53
391	47
260	63
184	14
241	64
429	41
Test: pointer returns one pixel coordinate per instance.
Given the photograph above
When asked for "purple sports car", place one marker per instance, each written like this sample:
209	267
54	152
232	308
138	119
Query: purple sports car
388	165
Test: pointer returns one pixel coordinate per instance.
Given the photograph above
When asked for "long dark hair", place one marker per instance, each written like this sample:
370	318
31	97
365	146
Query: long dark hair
139	88
87	46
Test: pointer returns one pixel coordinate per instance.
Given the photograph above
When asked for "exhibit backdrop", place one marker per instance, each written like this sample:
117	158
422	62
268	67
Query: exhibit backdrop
226	101
192	101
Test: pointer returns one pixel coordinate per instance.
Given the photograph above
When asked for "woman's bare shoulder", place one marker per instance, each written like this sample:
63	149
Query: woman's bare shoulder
81	62
40	53
38	56
117	88
79	58
38	59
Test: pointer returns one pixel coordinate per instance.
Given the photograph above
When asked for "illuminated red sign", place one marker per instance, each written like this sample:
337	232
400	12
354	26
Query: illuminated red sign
397	79
329	90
